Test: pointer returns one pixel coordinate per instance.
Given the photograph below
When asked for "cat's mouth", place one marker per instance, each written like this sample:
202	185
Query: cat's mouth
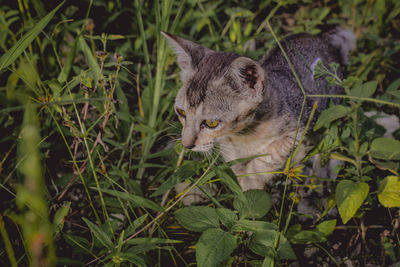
207	147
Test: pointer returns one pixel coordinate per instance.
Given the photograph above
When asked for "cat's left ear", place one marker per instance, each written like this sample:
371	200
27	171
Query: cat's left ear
248	73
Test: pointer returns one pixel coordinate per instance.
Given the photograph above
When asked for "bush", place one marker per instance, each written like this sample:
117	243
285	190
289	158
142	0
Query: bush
89	150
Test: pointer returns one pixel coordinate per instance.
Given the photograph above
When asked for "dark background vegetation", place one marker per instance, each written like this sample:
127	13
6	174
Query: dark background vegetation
90	151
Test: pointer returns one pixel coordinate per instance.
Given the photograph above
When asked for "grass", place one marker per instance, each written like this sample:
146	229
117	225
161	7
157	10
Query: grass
90	149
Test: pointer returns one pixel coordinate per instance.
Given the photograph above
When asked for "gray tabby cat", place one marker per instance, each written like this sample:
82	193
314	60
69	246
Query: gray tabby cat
252	108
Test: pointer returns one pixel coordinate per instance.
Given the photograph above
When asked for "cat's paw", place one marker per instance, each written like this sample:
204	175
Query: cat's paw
195	195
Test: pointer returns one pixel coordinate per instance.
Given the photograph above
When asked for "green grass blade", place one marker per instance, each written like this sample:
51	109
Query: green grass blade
91	60
15	51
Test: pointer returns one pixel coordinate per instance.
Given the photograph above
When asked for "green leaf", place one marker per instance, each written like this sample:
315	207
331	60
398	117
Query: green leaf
253	226
120	242
329	115
285	250
146	240
132	258
19	47
230	183
308	236
389	192
103	237
269	259
257	203
320	234
364	90
393	86
349	197
262	240
60	215
214	247
394	93
227	217
385	148
136	223
90	58
136	201
326	227
197	219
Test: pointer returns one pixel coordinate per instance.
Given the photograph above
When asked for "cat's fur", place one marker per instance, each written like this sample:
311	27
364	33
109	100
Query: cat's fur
257	103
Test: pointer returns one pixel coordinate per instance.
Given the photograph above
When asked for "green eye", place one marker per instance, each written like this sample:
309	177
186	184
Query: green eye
181	112
211	124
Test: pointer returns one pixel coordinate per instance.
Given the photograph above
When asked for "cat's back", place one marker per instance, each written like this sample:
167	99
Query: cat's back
304	51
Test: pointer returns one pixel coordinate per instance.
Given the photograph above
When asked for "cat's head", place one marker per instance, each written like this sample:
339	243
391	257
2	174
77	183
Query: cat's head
219	95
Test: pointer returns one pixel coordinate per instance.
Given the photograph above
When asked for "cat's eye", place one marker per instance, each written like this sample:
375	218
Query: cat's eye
211	124
181	112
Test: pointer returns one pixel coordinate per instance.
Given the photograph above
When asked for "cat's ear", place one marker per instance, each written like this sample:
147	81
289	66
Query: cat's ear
248	73
189	54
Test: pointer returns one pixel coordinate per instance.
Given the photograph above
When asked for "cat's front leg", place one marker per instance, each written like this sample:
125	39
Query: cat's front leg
255	174
258	172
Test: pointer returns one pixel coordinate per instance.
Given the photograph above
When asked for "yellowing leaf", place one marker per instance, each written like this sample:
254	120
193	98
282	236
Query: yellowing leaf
349	197
389	192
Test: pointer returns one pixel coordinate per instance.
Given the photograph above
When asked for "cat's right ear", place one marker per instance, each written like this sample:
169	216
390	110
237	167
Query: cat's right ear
189	54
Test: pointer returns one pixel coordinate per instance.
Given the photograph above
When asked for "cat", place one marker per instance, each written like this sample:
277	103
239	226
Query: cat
252	107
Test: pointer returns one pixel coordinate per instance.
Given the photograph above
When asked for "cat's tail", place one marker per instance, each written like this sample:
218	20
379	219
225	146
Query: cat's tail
341	39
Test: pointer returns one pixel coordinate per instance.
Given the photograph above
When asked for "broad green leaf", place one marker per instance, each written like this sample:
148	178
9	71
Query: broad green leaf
320	234
394	93
349	198
269	259
19	47
227	217
394	86
253	226
136	201
389	192
257	203
308	236
389	248
104	238
214	247
326	227
364	90
285	250
329	115
197	218
262	240
385	148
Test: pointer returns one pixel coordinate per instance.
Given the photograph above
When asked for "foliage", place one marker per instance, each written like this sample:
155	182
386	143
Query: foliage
90	151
